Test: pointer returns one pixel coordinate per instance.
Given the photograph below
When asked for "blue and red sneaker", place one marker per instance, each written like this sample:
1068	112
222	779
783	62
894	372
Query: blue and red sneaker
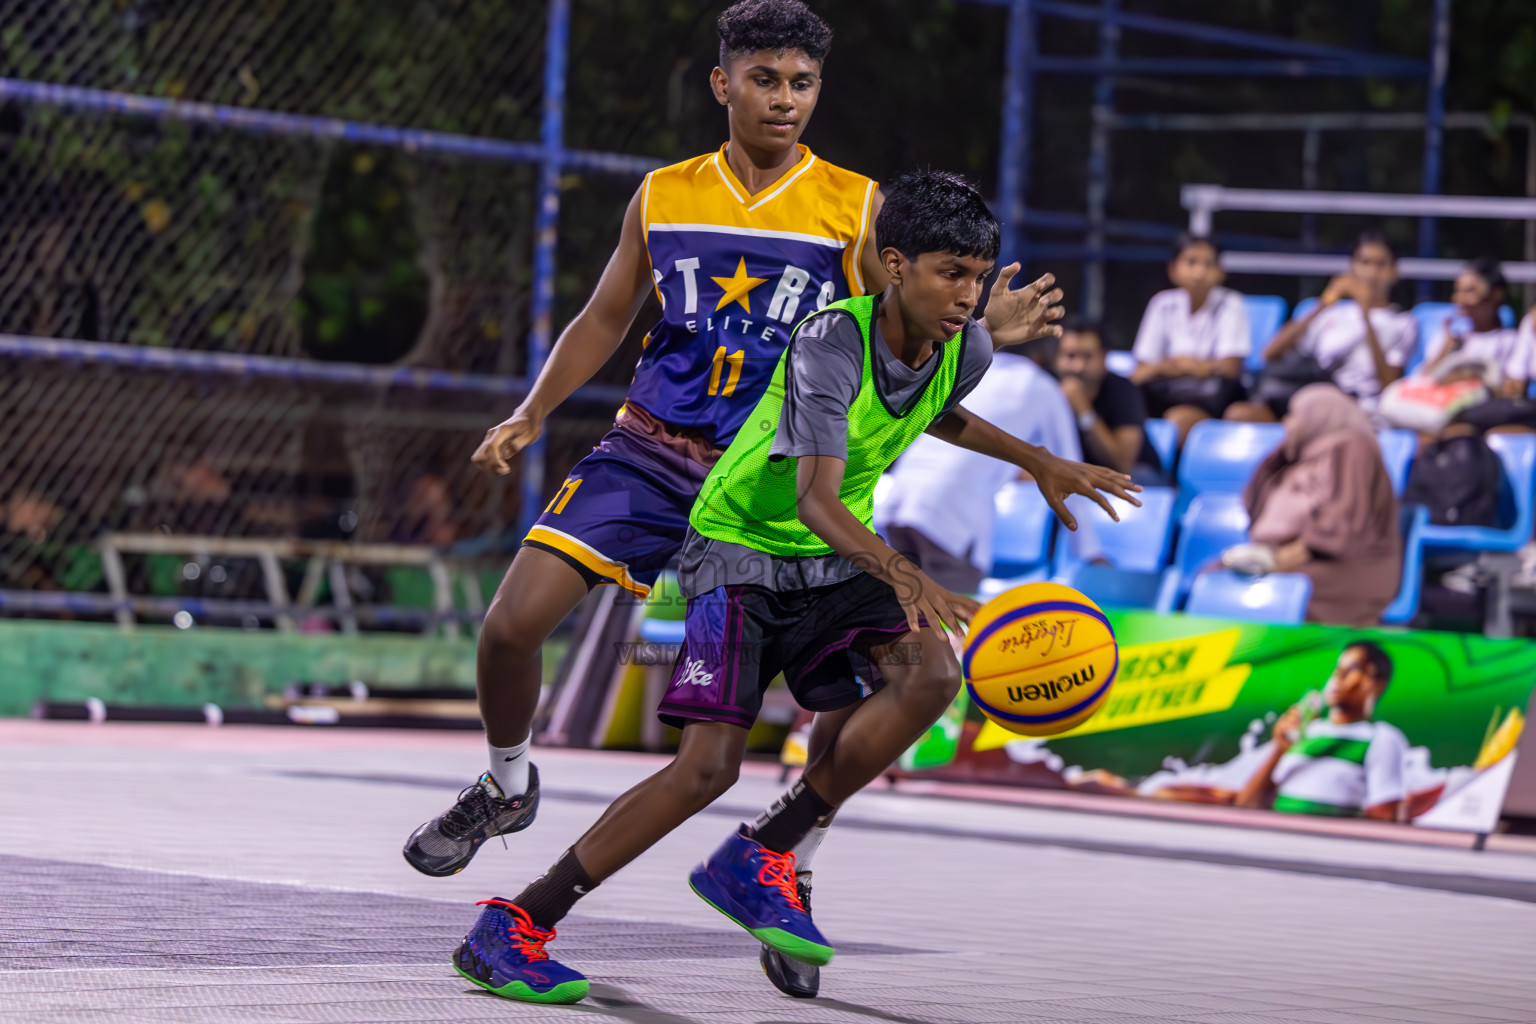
755	887
504	953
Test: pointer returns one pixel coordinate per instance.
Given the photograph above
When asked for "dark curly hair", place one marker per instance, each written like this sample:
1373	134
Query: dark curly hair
751	25
935	211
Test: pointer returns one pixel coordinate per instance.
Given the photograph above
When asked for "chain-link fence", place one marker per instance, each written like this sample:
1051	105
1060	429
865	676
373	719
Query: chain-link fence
177	231
289	186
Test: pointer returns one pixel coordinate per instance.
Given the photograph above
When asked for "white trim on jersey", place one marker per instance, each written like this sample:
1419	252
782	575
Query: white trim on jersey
726	229
724	178
645	205
787	182
858	251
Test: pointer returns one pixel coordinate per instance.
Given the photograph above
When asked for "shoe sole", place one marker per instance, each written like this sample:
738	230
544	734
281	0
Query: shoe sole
784	982
792	946
441	873
519	991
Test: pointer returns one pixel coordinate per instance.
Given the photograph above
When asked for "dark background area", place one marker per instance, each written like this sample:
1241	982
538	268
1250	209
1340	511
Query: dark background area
919	83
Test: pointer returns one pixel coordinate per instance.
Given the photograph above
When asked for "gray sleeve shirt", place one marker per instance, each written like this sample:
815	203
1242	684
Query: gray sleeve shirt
825	371
824	374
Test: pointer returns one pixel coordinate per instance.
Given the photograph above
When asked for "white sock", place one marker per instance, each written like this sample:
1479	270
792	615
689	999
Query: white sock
805	849
509	767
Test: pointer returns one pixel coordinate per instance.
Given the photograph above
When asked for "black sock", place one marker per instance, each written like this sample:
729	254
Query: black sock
791	818
553	895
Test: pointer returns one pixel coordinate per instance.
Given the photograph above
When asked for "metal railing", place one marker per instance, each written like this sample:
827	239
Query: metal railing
325	562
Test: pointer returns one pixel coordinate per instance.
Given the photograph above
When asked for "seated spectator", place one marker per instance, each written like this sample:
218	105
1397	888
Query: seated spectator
940	508
1501	357
1527	332
1192	340
1478	293
1111	414
1322	504
1356	336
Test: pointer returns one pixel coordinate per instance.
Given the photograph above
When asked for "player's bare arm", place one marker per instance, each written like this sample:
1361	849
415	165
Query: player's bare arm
584	346
820	507
1058	478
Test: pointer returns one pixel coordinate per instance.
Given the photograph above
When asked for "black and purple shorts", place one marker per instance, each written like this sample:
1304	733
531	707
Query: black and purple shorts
740	637
622	513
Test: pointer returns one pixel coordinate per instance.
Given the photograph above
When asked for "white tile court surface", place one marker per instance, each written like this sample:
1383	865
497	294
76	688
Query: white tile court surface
185	874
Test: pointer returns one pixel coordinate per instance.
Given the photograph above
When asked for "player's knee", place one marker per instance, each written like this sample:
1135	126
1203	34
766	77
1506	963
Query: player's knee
503	637
931	690
704	778
946	681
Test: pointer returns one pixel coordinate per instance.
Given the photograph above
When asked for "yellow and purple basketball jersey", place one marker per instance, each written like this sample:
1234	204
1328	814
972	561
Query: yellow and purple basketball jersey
734	274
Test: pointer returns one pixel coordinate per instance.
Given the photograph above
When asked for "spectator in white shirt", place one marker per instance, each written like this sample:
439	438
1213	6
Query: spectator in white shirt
1356	334
1479	292
938	509
1527	331
1501	356
1193	339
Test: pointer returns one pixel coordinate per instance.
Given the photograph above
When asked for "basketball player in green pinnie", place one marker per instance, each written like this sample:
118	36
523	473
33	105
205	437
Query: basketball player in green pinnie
783	573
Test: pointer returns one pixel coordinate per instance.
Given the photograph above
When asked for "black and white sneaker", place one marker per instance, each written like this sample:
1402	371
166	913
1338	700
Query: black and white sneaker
793	977
446	844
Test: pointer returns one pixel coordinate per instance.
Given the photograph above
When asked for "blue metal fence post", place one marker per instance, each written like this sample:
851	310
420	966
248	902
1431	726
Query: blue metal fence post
546	227
1013	153
1434	123
1098	164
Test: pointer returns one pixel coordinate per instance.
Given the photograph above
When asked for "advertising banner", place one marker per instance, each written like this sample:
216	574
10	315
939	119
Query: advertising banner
1416	727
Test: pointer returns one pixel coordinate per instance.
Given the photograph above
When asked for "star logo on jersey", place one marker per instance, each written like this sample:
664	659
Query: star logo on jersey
737	286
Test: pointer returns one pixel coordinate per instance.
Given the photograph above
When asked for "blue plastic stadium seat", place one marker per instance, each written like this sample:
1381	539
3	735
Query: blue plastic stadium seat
1405	606
1219	456
1265	315
1120	362
662	631
1164	438
1114	588
1431	319
1398	447
1212	523
1139	542
1304	307
1021	534
1279	597
1517	504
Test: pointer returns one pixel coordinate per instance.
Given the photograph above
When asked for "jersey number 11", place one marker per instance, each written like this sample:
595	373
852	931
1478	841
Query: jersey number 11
721	360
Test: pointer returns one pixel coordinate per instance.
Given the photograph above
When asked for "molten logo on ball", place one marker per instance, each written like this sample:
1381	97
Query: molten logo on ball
1040	659
1053	689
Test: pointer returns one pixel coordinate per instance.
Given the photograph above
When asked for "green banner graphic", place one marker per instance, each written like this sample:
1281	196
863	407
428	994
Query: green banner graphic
1414	727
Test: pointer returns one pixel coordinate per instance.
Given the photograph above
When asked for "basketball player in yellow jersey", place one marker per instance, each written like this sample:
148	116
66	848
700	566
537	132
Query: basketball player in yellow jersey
738	245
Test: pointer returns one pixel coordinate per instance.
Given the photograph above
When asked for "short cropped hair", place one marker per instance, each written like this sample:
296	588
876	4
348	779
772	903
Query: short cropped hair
779	25
935	211
1076	323
1377	658
1373	237
1487	268
1188	240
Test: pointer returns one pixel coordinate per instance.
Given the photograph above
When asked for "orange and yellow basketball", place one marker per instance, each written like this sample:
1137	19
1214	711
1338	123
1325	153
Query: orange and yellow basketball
1040	659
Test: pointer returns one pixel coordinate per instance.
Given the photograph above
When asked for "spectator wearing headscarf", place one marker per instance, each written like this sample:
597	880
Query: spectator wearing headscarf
1322	504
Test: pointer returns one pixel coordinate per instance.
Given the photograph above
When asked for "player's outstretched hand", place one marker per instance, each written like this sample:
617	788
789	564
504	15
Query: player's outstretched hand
921	598
1015	316
505	440
1061	478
